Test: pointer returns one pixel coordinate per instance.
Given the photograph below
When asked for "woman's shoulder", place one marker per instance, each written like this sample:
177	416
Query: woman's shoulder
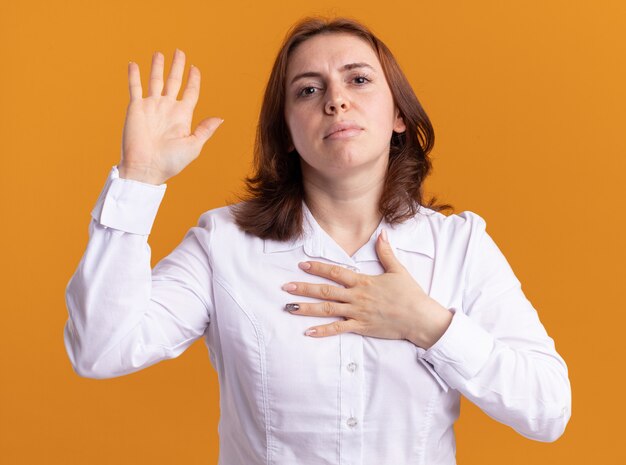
218	218
466	223
219	234
456	237
453	232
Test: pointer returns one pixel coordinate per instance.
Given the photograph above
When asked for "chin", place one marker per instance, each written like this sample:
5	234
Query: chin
337	162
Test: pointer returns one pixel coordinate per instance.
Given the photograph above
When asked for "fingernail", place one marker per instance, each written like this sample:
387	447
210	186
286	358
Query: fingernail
292	307
304	265
310	332
289	287
221	120
384	234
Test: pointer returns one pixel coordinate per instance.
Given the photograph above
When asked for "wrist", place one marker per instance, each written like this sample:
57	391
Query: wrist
431	329
139	174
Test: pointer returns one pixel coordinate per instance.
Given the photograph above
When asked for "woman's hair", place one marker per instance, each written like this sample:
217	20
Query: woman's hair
272	206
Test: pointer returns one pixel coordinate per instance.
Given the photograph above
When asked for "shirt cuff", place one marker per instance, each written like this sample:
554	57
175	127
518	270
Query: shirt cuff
128	205
464	347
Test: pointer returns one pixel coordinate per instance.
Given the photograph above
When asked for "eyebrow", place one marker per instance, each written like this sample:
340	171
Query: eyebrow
347	67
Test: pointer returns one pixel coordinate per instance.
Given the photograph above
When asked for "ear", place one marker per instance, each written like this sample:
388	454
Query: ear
398	125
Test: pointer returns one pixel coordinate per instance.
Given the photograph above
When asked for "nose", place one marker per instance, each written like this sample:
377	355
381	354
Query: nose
335	102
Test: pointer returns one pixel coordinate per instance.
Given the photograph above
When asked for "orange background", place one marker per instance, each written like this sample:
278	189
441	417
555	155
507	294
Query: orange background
527	99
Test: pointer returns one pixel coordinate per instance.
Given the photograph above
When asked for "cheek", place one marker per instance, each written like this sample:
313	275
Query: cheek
382	117
300	127
377	110
296	133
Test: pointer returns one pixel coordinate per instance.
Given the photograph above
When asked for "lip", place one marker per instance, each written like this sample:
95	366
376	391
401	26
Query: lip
342	129
344	134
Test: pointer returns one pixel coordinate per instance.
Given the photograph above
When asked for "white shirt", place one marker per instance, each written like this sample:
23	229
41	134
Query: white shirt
287	398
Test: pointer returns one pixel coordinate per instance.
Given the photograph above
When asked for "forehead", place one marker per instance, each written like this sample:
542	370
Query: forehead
330	51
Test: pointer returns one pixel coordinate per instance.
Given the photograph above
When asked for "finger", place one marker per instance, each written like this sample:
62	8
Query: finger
334	272
174	79
386	255
192	89
320	291
332	329
155	86
134	81
323	309
206	129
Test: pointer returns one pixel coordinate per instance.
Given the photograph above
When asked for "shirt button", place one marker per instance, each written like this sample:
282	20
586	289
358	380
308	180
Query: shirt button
351	422
351	367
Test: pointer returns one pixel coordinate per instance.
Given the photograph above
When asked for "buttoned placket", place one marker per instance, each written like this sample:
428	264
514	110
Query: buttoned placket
352	375
352	395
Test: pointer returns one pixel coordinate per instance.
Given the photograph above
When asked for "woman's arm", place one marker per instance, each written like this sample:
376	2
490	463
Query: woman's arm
123	316
497	353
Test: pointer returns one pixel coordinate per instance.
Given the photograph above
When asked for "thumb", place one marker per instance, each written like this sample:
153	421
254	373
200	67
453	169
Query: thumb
205	130
385	253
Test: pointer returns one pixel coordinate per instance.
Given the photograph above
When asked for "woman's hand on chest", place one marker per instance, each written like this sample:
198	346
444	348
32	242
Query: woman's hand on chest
391	305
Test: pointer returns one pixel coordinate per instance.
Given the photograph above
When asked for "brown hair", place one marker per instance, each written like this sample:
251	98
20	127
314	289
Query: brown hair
272	208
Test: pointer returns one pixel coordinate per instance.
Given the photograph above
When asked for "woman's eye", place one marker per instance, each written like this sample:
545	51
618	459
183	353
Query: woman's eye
303	92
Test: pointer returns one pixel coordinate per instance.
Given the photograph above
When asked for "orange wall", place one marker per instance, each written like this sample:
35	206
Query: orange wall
527	99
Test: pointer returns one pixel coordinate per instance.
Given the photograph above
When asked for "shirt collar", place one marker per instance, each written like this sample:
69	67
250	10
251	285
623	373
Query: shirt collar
413	235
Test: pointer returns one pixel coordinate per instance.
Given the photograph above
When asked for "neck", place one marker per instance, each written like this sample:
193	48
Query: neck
346	208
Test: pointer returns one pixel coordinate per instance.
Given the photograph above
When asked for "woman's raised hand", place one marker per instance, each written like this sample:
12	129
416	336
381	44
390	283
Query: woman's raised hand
157	142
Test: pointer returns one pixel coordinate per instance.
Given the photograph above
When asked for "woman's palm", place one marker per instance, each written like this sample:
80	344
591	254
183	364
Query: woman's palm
157	142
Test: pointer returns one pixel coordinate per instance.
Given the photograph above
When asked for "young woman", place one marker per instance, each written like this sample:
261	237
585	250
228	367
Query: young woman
393	310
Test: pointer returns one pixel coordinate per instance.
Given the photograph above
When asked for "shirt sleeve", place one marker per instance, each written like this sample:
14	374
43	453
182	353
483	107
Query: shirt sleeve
497	353
123	315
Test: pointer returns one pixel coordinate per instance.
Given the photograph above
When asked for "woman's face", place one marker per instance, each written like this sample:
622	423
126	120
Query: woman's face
344	82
